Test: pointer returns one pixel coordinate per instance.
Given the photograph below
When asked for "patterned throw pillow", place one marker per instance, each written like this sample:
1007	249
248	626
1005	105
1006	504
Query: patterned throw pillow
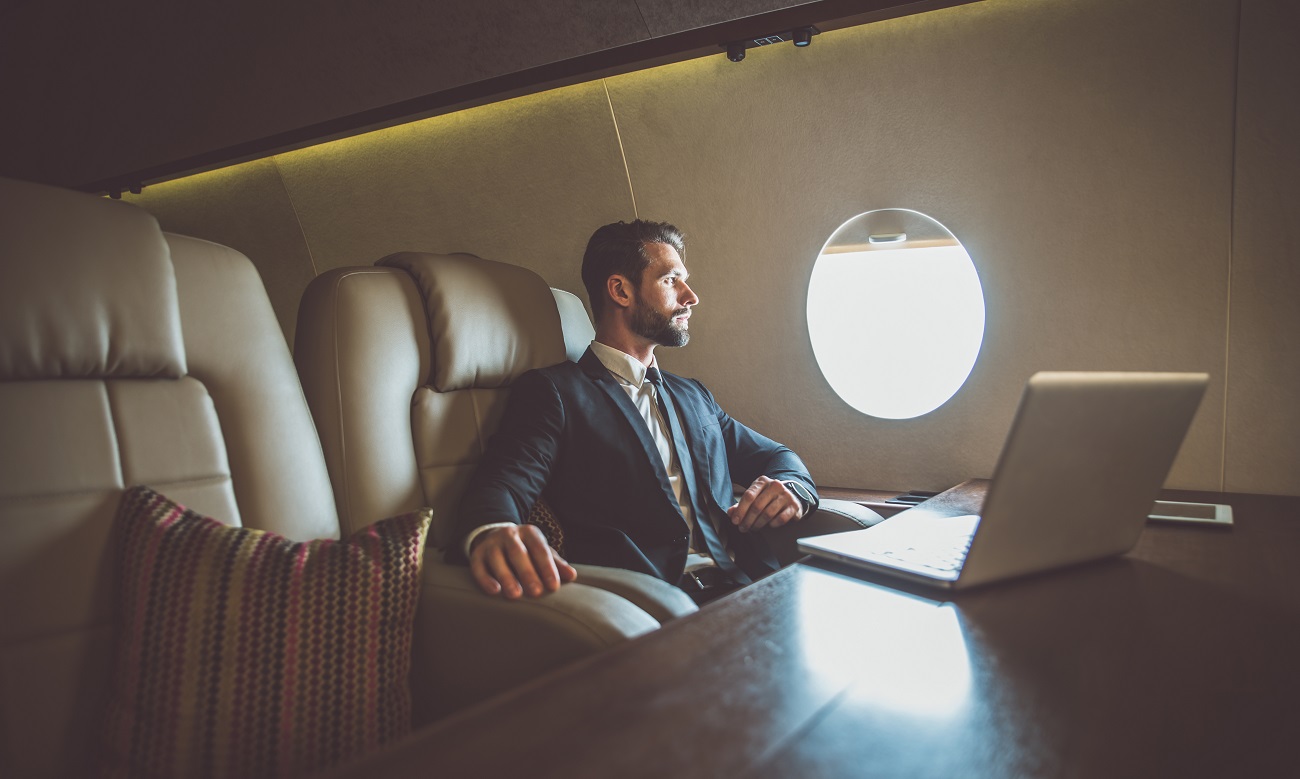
241	653
544	517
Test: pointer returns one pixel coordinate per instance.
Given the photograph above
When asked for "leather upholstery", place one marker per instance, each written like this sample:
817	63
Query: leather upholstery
236	349
578	330
128	357
407	367
117	314
362	349
489	322
401	430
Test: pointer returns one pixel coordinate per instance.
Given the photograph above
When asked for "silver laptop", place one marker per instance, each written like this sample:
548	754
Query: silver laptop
1084	462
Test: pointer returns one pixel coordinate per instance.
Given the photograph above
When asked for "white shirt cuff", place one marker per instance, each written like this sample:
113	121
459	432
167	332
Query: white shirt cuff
481	529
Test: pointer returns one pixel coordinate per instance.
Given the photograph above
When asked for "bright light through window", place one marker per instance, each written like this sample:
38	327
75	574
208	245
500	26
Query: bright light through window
895	313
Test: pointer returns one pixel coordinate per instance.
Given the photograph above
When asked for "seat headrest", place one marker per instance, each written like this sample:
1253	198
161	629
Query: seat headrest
578	331
87	288
489	322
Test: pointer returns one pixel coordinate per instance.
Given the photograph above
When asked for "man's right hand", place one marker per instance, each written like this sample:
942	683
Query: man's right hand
515	560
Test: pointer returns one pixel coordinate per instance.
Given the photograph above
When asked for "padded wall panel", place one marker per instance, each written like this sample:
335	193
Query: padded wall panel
1081	151
524	182
246	208
1263	452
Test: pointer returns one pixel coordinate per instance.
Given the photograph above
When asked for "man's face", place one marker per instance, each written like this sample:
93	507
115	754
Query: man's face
662	303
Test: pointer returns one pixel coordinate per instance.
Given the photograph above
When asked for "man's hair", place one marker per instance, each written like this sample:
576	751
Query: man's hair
619	248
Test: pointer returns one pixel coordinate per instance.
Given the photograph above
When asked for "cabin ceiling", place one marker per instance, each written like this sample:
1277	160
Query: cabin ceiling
110	95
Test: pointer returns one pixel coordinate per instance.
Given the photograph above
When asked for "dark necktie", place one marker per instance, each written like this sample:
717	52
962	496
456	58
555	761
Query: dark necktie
703	525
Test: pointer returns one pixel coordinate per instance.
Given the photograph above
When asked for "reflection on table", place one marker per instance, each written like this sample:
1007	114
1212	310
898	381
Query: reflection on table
1175	660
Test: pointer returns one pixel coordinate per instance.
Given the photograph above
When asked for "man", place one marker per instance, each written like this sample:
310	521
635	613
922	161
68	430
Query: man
637	465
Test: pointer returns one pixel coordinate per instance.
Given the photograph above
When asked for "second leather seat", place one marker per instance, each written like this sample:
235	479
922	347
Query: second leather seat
407	367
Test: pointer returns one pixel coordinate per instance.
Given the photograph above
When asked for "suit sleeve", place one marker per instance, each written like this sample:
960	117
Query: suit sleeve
519	457
751	454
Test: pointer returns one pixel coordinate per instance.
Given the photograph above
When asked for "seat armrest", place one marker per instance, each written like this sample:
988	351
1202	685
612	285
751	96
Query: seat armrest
658	598
470	646
837	516
831	516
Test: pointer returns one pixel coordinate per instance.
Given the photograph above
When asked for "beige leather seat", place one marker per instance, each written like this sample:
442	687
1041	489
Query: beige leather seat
127	356
406	367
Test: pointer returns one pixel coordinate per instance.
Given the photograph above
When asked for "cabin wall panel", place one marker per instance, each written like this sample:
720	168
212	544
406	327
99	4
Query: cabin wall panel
1082	151
520	181
247	208
1263	445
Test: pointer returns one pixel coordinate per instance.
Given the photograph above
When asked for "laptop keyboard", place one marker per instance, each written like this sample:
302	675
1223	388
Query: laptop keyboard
941	548
944	559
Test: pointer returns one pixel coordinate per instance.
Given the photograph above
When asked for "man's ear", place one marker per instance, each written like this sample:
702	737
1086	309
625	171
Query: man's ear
620	289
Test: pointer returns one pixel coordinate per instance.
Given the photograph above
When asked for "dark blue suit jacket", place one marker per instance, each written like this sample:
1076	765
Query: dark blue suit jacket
571	434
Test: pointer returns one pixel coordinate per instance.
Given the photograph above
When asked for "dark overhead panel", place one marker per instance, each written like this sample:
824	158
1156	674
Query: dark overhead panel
150	91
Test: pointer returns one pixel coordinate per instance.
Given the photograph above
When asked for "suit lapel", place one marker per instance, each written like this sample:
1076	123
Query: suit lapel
687	450
693	423
599	375
692	428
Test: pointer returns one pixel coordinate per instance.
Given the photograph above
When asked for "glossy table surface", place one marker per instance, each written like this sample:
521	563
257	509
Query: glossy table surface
1180	659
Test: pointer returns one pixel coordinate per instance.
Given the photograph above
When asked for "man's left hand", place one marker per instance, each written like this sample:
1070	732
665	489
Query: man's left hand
767	503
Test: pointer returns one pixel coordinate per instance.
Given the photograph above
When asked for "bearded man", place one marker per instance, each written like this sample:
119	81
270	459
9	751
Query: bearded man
638	465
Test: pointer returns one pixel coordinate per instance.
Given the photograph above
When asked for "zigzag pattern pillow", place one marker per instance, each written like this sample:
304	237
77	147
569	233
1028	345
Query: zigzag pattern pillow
241	653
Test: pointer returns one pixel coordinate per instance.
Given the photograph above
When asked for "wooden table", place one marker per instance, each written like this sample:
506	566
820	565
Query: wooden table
1181	659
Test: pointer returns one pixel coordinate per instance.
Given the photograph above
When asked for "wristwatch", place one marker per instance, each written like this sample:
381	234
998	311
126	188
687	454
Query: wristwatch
801	492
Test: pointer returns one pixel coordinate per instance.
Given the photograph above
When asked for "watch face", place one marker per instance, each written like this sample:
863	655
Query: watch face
801	493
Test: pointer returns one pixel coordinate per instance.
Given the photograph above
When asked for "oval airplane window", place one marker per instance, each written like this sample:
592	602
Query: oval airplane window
895	313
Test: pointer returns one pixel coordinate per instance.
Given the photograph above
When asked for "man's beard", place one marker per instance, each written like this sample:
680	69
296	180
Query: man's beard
648	323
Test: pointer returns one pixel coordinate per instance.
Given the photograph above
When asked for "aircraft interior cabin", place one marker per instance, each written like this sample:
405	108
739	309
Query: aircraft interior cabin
650	388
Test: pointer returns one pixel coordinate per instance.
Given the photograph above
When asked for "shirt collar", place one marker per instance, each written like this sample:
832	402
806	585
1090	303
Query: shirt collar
624	366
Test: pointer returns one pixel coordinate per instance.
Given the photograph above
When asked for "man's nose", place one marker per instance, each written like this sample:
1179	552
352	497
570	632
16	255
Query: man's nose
690	298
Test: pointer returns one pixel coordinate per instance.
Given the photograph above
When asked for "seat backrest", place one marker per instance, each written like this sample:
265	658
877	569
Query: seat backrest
127	356
407	366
